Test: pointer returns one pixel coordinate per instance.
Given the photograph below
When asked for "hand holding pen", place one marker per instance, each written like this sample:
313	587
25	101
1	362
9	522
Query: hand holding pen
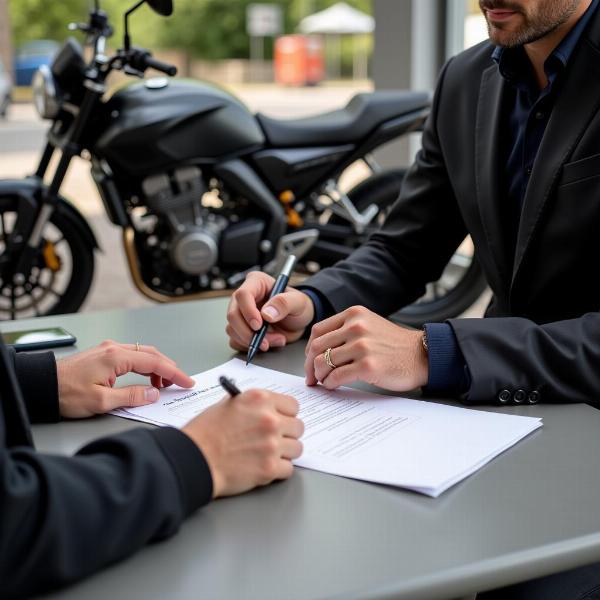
251	305
280	285
248	439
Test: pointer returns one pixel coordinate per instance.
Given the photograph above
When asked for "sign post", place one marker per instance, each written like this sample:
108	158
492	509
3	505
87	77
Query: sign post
262	20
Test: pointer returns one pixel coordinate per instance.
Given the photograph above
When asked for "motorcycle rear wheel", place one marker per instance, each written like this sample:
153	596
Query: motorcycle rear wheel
462	281
61	275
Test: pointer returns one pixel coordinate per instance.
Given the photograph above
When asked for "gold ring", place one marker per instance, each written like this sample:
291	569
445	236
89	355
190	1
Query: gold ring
137	346
328	360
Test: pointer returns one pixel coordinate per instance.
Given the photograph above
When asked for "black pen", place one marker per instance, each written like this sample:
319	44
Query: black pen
229	386
280	285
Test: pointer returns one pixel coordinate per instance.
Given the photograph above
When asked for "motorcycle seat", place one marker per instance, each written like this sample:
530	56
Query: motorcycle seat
347	125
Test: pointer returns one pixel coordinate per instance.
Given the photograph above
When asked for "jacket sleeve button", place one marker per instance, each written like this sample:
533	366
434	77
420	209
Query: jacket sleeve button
520	396
504	396
534	397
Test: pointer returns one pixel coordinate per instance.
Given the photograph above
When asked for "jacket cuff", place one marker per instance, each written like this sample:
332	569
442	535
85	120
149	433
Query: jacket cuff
448	373
323	308
188	462
36	373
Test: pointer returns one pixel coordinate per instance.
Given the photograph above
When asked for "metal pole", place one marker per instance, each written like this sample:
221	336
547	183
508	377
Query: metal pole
455	26
392	64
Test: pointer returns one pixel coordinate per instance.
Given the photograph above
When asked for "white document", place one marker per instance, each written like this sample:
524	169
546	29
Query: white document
422	446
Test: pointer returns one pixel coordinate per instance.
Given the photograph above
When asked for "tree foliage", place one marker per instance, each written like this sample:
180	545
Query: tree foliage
208	29
39	19
213	29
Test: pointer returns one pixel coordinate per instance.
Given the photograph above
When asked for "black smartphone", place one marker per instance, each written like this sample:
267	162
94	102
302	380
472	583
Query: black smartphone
38	339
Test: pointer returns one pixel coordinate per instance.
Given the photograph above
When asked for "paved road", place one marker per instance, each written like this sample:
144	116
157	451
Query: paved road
22	131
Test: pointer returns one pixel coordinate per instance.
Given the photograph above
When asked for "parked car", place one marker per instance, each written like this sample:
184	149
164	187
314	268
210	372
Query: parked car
5	90
31	56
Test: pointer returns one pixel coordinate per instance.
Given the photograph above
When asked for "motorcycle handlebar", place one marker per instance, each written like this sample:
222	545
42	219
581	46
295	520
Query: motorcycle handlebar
158	65
135	61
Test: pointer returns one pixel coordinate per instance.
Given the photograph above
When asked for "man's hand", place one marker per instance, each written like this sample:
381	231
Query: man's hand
366	347
289	313
248	440
86	379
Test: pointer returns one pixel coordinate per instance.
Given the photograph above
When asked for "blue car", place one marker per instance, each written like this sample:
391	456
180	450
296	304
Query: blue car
31	56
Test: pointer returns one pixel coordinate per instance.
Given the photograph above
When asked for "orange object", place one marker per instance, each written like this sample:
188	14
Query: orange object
287	196
293	218
50	257
299	60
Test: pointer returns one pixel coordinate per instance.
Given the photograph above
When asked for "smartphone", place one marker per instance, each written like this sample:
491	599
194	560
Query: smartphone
38	339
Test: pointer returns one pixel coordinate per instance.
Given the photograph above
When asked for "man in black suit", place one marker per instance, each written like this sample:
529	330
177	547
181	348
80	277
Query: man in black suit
62	518
510	155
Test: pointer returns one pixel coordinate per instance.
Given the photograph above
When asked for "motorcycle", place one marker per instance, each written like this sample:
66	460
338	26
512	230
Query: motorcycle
203	190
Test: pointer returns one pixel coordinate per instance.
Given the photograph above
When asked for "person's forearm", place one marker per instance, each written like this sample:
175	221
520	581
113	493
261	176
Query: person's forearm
64	518
413	246
36	374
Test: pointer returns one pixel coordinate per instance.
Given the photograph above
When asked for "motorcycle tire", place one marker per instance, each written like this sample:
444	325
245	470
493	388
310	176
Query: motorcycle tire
383	189
50	290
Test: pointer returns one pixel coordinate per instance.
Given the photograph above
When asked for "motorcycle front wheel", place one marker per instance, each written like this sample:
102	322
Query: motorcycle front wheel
462	281
62	270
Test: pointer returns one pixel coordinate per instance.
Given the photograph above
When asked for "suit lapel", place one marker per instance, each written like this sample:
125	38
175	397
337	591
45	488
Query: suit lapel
487	167
577	103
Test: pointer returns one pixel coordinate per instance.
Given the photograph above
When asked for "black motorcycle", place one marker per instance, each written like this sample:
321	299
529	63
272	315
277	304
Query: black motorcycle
203	190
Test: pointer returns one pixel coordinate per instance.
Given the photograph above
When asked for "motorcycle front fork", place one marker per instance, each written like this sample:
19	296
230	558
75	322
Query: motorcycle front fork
49	200
49	197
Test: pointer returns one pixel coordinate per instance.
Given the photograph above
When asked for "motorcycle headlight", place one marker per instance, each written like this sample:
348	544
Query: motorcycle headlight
44	93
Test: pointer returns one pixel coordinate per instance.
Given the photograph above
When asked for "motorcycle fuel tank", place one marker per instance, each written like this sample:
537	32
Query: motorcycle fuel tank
157	123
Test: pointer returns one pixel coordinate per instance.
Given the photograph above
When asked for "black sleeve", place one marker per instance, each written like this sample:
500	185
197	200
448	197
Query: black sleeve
514	360
63	518
36	373
419	236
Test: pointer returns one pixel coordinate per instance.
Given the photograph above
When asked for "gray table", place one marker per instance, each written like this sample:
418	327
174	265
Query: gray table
532	511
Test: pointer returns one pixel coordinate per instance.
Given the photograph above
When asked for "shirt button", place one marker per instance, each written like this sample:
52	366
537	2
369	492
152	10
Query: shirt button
528	171
534	397
504	396
539	115
520	396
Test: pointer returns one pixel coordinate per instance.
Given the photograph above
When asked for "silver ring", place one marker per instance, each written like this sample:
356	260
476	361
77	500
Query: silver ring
328	360
137	346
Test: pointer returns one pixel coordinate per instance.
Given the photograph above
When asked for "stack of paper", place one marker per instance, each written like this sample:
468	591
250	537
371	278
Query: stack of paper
422	446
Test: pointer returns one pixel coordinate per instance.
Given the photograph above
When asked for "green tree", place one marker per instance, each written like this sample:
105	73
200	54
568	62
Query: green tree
208	29
40	19
214	29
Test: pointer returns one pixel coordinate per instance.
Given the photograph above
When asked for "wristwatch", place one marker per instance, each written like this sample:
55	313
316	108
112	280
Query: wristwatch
424	341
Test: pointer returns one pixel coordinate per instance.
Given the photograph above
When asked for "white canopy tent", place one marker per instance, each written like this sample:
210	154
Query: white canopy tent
336	21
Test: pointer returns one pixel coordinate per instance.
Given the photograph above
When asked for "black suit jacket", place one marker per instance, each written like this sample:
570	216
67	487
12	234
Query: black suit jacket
62	518
542	331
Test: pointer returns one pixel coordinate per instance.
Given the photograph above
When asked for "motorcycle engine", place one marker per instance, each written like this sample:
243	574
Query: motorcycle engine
194	238
195	232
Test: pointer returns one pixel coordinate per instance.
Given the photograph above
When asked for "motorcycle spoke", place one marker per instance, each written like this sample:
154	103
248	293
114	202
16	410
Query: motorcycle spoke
34	303
3	226
50	291
13	304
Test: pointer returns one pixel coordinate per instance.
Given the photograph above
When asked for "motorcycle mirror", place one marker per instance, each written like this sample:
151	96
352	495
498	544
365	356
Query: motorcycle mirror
162	7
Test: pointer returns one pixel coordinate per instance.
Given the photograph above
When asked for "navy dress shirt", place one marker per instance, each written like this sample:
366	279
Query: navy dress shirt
528	111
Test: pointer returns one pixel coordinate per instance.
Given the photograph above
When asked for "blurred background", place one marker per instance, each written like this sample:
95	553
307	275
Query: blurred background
286	58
